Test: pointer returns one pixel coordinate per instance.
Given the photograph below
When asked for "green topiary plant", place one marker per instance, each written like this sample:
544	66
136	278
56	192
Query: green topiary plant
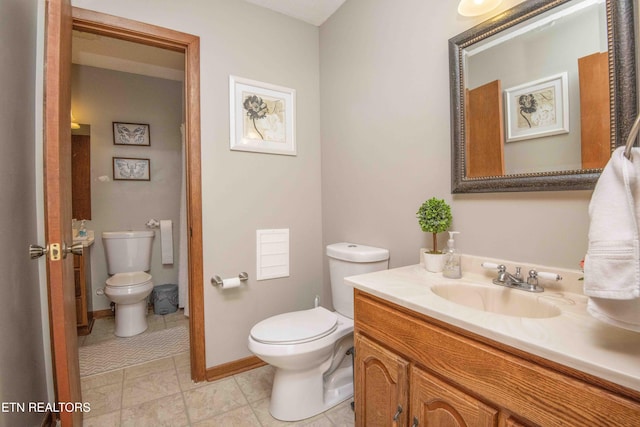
434	216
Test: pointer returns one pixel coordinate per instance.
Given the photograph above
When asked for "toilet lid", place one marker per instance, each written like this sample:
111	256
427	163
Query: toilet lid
129	279
296	327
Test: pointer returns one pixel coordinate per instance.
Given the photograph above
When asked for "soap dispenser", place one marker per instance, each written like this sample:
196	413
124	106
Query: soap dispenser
452	269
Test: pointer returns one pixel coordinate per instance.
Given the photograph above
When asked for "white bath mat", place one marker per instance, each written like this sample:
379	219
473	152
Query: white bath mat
121	352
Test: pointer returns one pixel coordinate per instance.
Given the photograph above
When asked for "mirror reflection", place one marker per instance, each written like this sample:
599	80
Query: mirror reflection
538	95
540	72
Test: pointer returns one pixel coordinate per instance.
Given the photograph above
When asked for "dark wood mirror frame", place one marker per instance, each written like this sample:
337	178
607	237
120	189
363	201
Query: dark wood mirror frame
622	77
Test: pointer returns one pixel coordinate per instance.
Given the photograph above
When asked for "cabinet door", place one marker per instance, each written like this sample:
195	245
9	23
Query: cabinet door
381	388
508	421
79	274
436	403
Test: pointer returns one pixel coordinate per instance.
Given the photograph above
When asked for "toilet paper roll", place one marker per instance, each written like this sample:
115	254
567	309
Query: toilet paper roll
233	282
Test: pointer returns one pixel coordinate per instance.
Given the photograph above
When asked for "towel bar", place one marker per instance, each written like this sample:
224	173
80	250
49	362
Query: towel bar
632	138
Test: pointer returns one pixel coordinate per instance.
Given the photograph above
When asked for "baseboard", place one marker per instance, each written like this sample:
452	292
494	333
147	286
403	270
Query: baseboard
86	330
101	314
232	368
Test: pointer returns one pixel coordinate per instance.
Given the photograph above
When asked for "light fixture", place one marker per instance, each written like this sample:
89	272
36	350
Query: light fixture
74	125
477	7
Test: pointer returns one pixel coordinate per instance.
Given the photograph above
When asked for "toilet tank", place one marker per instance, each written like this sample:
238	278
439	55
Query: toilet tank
349	259
127	251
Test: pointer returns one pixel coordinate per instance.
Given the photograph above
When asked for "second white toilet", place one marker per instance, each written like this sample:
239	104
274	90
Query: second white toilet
309	348
128	256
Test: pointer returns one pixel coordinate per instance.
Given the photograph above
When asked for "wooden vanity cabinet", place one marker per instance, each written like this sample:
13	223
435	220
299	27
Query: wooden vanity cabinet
382	383
441	375
436	403
82	279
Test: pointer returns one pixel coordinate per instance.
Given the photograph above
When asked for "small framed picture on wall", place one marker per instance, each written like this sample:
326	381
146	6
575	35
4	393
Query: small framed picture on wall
262	117
131	134
131	169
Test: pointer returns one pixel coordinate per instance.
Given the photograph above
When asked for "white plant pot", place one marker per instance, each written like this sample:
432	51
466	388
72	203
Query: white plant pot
434	262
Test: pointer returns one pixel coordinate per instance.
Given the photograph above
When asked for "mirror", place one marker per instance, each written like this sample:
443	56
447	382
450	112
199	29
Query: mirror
81	172
541	95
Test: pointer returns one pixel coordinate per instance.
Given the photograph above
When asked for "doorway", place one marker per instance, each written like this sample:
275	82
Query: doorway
60	19
127	99
111	26
133	31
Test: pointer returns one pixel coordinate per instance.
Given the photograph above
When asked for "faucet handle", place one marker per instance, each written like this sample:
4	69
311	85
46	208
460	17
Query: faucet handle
549	276
502	270
532	281
493	266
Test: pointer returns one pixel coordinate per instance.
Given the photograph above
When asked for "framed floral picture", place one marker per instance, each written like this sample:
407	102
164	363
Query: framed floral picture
262	117
131	169
131	134
537	109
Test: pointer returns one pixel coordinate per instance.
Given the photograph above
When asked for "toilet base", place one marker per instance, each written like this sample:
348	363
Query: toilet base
297	395
131	319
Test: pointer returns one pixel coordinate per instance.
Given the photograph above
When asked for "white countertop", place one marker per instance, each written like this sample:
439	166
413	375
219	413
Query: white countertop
86	241
573	338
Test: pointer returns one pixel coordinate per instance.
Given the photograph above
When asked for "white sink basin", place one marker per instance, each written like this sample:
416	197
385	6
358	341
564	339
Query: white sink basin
497	299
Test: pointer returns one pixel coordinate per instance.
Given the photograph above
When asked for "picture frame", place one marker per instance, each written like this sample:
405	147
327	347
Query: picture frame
537	109
262	117
136	134
131	169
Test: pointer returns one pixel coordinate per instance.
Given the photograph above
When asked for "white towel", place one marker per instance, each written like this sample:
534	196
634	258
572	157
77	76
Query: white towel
166	241
612	264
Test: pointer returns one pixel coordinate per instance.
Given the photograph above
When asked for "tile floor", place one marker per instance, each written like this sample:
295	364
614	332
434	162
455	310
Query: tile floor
103	328
161	393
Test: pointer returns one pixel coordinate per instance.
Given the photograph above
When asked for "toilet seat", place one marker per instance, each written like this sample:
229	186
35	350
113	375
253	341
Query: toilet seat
296	327
135	278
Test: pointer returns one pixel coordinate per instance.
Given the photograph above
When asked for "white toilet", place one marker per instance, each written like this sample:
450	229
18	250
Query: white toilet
309	348
128	256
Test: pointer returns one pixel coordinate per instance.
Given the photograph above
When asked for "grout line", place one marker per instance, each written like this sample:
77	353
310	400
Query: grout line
150	401
122	396
247	399
184	398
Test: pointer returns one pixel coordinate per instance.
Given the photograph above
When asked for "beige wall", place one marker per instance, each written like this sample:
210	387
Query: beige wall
23	372
243	192
98	98
386	143
377	74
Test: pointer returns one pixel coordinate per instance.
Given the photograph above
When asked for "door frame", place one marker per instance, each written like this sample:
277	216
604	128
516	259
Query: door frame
138	32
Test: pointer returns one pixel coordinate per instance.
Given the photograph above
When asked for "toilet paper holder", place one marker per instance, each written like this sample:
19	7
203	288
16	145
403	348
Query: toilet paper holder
217	281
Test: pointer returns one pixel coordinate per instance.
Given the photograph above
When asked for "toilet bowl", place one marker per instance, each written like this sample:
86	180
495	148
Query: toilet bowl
128	255
129	291
310	349
303	346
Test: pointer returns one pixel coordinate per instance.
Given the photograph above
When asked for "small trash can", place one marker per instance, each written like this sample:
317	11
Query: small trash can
165	299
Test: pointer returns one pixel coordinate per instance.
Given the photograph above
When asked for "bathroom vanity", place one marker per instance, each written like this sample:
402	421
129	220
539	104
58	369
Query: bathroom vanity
423	360
82	281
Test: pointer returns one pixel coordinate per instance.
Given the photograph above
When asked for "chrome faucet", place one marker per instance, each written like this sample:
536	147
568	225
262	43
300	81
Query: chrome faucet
504	277
516	280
